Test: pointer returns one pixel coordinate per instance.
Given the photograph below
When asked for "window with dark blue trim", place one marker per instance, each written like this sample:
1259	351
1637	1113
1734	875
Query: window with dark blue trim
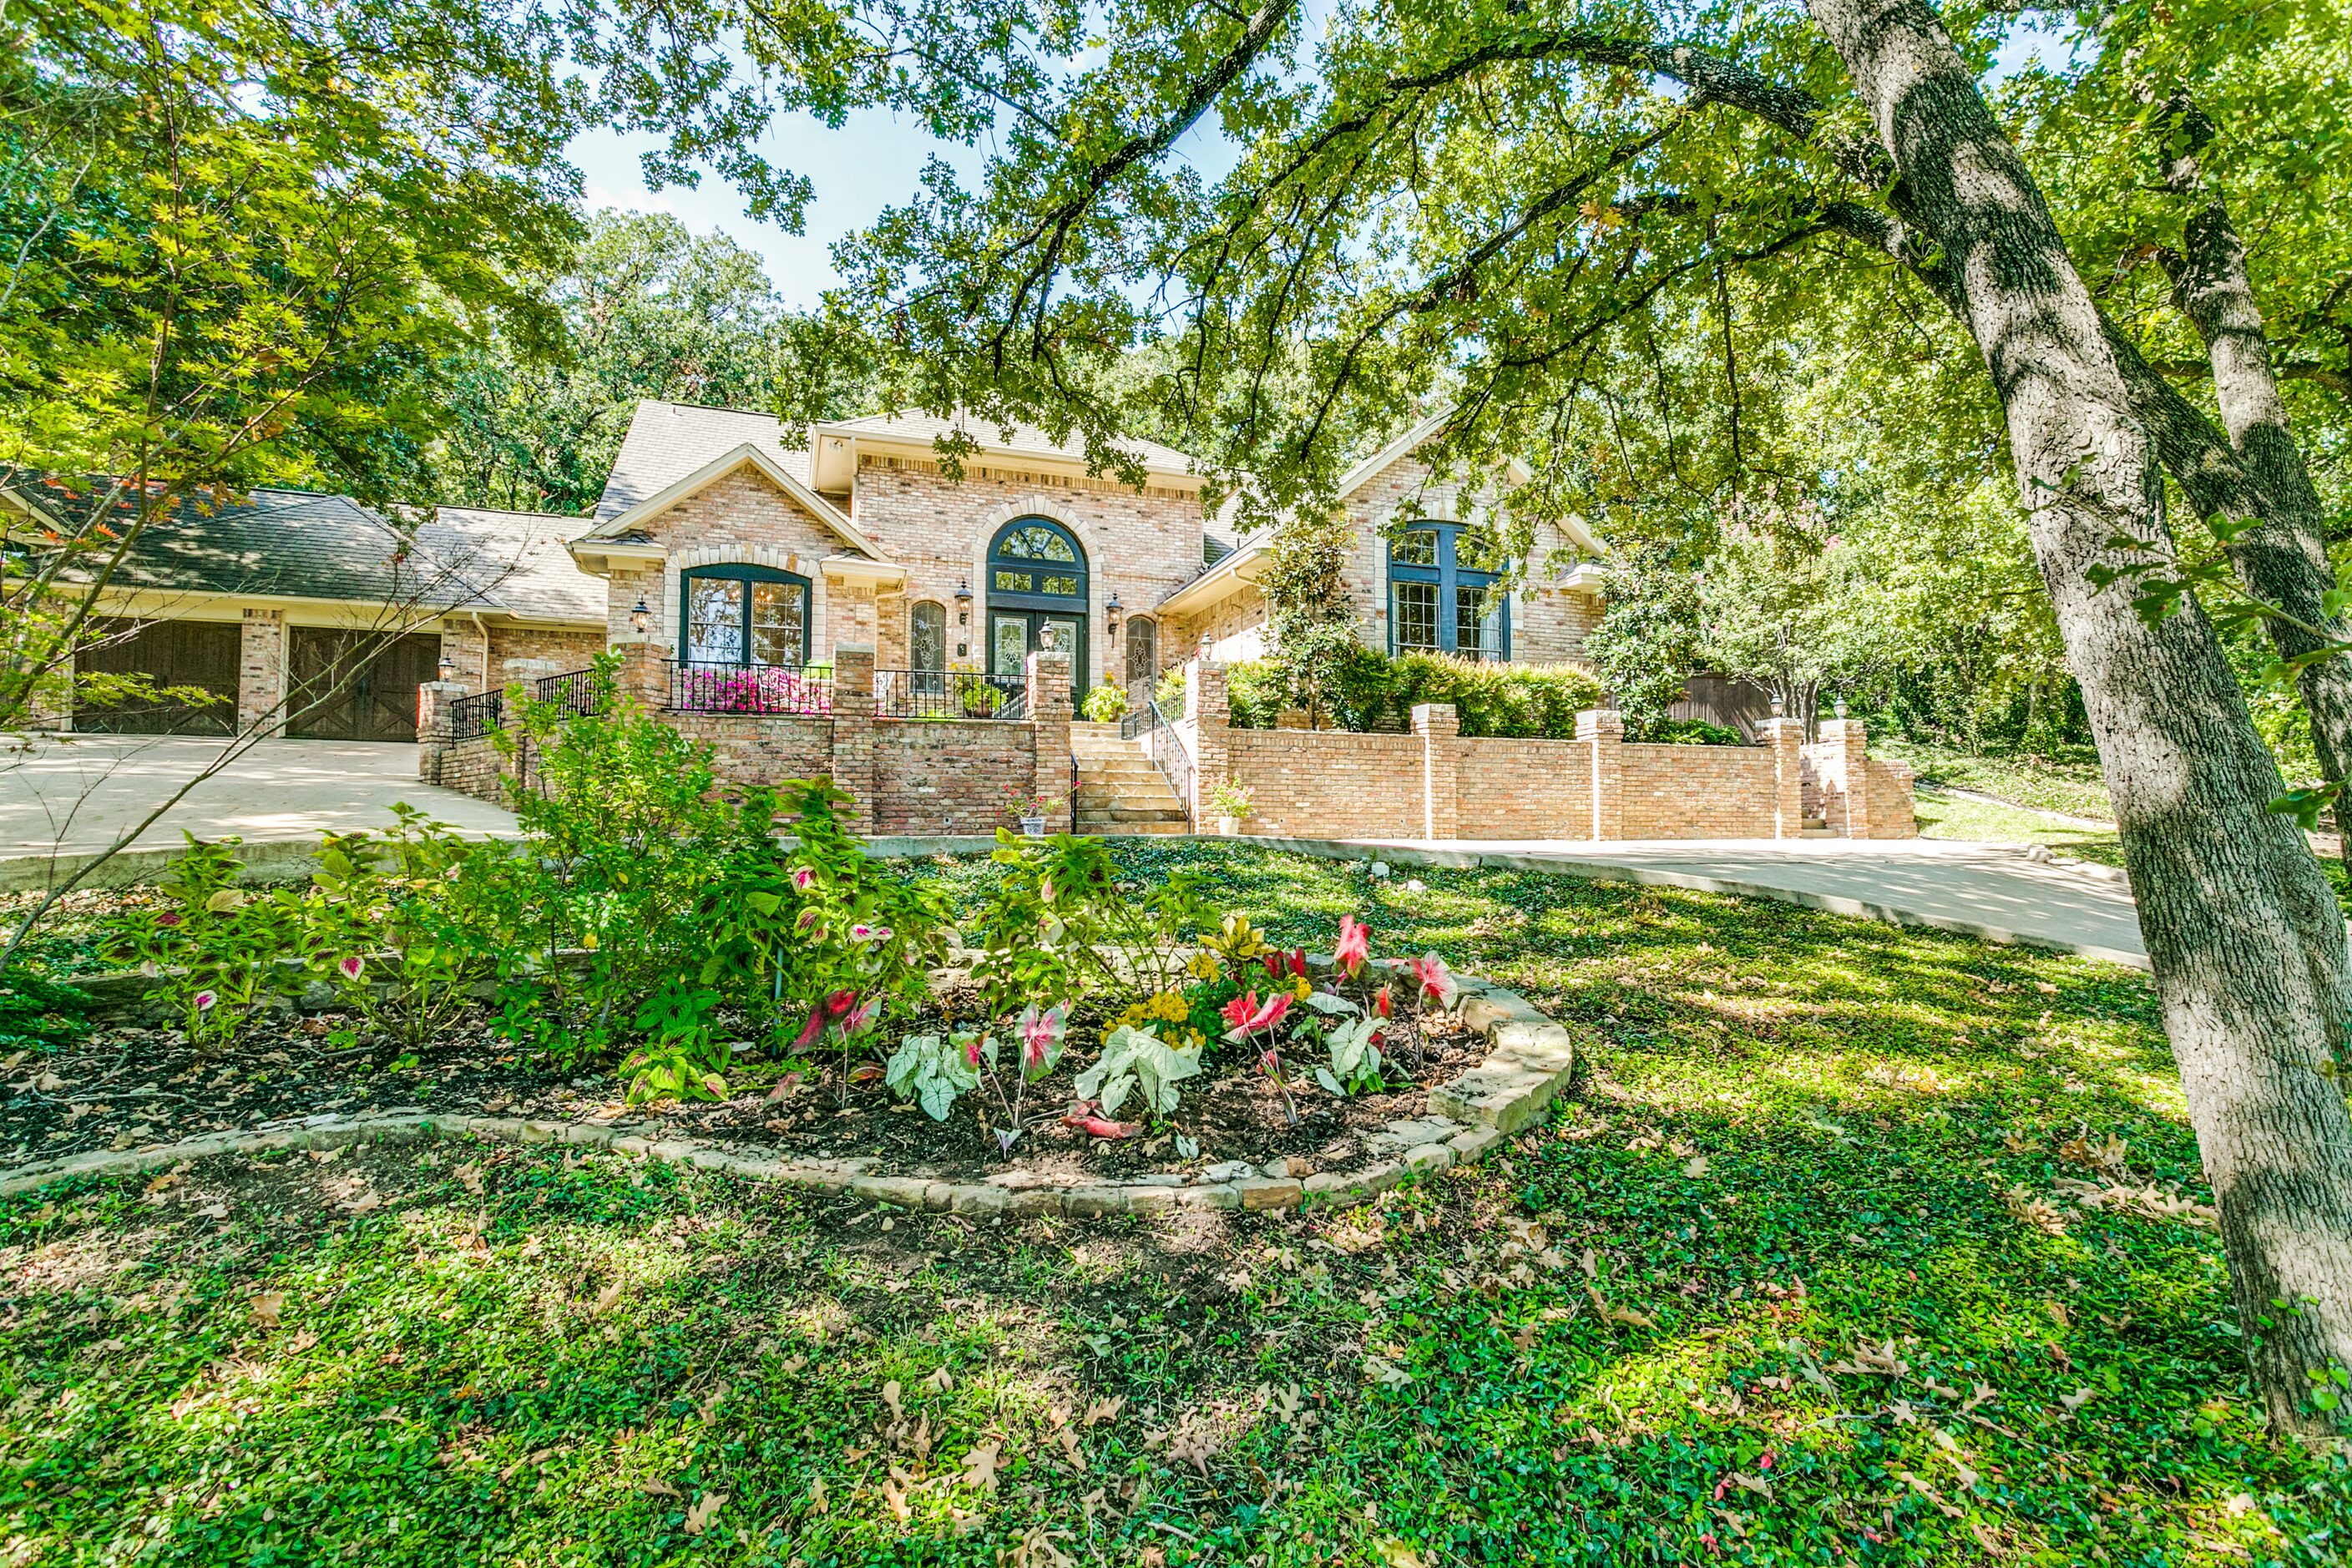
1439	601
744	615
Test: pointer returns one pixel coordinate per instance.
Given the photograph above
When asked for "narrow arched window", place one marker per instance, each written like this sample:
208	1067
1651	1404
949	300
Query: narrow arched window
927	637
1142	651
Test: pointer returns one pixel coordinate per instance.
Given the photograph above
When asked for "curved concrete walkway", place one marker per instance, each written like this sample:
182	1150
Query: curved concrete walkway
1986	891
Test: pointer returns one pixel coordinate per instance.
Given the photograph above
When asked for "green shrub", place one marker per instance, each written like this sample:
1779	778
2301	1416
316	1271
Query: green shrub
1257	691
1105	704
1169	692
1693	732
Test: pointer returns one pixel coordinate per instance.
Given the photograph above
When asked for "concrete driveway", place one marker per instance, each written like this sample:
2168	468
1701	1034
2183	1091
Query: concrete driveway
62	797
1988	890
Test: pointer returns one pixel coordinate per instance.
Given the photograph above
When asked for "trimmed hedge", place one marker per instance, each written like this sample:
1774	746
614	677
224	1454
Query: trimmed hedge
1376	691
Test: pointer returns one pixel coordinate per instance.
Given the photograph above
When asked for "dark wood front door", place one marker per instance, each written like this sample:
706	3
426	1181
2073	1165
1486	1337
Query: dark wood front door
335	691
196	655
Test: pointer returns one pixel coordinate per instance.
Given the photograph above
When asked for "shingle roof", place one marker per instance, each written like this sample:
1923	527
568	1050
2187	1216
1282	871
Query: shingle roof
928	428
516	562
667	441
298	545
277	542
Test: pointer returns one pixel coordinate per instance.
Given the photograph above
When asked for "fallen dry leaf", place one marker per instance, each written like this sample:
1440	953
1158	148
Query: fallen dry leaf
699	1517
266	1306
980	1464
891	1394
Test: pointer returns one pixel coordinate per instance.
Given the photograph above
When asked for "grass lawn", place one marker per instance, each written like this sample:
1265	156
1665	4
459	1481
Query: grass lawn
1991	822
2071	783
1854	1244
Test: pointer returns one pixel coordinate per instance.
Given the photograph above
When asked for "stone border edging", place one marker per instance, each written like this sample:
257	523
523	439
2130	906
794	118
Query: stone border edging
1530	1058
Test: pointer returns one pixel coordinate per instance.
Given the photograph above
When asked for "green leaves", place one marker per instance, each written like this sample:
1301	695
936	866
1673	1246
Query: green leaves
932	1070
1136	1063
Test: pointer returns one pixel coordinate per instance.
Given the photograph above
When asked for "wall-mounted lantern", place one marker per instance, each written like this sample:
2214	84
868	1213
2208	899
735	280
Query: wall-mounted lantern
448	667
963	603
641	619
1111	614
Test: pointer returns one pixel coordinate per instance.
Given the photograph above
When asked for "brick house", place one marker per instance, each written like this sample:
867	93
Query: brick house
726	537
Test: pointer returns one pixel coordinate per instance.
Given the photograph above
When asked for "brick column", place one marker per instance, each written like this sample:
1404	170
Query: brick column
1440	729
1049	729
853	731
262	671
1787	738
432	699
644	674
1604	729
1842	743
1206	710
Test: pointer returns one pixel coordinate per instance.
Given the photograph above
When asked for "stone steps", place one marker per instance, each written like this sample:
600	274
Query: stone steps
1121	790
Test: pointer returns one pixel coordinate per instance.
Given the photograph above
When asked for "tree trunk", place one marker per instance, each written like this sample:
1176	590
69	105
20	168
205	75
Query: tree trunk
2244	936
2285	559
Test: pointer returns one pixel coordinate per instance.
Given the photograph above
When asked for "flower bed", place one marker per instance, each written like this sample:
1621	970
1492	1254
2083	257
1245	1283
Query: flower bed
653	952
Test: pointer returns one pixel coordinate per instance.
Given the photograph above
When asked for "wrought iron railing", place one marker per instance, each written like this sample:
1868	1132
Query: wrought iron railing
950	694
1165	744
702	686
471	718
575	693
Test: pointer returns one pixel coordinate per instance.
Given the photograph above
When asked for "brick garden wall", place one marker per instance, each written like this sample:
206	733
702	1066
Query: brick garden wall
1436	783
947	775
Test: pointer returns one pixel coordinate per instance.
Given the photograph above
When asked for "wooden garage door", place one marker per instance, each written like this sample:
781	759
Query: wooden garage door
199	654
334	692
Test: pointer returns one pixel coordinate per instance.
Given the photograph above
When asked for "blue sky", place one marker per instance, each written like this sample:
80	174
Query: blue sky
872	161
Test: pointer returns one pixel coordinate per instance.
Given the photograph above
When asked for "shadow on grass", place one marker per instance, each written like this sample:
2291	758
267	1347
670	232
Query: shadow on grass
1794	1281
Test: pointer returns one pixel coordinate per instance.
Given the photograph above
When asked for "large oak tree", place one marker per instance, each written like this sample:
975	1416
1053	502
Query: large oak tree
1435	200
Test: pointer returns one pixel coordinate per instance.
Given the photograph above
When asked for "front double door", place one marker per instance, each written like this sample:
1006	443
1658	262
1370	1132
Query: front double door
1015	635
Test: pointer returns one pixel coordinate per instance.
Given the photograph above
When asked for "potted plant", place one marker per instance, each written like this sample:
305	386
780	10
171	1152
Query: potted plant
1105	704
1229	803
1031	809
980	695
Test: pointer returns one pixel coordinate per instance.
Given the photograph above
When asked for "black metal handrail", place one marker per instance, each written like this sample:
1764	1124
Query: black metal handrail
706	686
1165	745
575	693
471	718
950	694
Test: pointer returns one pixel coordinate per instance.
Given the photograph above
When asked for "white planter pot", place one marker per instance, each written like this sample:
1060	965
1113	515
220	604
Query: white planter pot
1229	826
1032	826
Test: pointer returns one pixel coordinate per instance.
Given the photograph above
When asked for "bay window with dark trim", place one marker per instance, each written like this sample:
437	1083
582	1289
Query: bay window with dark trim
1446	593
744	615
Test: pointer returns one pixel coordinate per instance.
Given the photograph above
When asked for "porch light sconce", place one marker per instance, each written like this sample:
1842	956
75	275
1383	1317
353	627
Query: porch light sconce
1110	614
641	619
1779	707
1841	707
963	603
448	667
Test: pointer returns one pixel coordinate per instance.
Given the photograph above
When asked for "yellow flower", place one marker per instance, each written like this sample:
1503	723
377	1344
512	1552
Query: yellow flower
1204	966
1168	1004
1302	987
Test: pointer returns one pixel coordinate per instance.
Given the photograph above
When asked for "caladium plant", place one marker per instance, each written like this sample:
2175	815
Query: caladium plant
1039	1032
932	1072
1135	1062
1356	1062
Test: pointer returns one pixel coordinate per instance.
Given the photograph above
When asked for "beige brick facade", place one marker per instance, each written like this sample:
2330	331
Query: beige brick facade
261	671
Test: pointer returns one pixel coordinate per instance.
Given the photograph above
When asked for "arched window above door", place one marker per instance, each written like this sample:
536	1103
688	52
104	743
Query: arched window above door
1036	573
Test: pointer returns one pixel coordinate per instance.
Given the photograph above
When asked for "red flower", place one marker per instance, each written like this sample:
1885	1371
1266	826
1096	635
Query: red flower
1355	945
1381	1002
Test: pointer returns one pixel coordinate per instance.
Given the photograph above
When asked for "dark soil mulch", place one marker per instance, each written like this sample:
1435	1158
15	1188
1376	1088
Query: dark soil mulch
129	1086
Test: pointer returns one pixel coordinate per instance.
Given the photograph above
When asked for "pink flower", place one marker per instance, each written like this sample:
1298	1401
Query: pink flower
1247	1015
351	967
205	1000
1041	1033
803	878
1430	970
1355	945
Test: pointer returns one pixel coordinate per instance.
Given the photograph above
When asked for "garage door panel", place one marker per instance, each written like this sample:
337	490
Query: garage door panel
202	655
355	685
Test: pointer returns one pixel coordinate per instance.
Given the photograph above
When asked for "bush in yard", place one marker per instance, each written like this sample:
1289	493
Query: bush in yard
214	950
1105	704
396	923
1257	691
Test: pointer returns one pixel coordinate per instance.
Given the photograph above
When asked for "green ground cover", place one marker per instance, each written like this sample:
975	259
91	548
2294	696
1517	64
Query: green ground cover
1945	815
2071	782
1854	1244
